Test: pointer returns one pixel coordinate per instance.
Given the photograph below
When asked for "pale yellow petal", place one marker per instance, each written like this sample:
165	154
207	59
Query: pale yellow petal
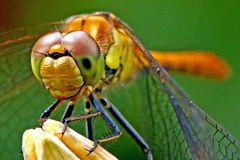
77	143
48	143
49	147
40	145
28	146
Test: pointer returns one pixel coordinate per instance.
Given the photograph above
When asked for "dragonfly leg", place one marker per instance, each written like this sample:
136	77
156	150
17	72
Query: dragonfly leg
88	124
78	118
128	127
68	112
110	122
46	113
88	116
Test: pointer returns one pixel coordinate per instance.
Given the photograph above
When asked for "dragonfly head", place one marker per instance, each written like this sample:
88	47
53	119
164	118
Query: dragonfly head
65	62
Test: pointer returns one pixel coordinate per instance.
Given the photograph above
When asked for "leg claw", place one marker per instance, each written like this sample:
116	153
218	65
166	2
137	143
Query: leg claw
95	144
41	121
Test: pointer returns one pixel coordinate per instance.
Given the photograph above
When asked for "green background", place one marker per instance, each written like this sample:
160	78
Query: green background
164	25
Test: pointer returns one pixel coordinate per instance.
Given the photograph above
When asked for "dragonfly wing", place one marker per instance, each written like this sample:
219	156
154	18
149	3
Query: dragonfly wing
202	136
20	93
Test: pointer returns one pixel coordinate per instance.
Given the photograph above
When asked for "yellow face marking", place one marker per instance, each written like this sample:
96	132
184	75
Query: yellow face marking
58	48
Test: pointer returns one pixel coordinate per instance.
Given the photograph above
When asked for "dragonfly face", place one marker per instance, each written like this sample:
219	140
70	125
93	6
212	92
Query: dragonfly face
66	62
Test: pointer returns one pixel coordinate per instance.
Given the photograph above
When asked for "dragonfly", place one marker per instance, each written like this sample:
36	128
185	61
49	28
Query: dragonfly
104	53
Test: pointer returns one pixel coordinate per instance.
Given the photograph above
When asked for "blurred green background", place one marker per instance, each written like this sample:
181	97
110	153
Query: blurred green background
163	25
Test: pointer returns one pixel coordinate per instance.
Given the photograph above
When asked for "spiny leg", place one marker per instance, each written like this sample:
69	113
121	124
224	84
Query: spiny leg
108	119
128	127
78	118
67	118
68	111
46	113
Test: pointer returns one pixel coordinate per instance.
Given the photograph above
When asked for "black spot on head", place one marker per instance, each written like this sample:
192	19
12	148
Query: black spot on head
86	63
55	55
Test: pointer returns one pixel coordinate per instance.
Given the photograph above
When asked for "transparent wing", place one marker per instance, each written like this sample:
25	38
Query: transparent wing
173	126
181	129
20	94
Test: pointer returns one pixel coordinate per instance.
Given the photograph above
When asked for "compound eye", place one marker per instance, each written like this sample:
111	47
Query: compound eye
43	45
41	50
80	43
